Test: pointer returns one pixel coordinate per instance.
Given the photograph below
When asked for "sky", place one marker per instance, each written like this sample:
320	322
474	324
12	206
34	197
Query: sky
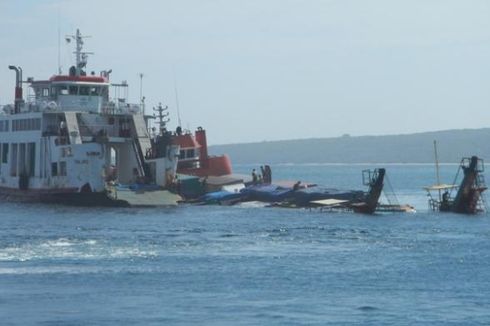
264	70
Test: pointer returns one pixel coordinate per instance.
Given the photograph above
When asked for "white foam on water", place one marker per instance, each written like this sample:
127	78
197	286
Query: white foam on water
252	204
62	242
64	248
39	270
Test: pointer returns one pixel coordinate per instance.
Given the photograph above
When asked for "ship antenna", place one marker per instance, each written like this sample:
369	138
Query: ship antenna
177	100
80	56
142	99
59	44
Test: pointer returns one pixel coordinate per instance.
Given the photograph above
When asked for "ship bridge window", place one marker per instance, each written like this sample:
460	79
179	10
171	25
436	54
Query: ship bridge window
63	90
190	153
4	125
26	124
73	90
84	90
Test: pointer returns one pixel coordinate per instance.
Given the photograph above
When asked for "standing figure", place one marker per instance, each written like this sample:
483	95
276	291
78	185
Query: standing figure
254	177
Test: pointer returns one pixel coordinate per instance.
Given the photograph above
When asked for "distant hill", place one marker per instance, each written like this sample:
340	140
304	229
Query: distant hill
410	148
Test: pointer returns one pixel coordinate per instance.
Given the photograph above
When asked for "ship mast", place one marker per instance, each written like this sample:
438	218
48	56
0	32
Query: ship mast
162	115
80	56
438	179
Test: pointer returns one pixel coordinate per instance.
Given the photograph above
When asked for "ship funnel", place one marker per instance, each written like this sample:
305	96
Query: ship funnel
18	87
202	140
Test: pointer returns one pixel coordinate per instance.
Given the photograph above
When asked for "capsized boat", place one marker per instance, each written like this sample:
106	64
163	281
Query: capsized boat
69	142
374	179
303	196
357	201
469	194
267	193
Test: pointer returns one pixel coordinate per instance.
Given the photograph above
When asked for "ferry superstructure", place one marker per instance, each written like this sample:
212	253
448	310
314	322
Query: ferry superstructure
70	141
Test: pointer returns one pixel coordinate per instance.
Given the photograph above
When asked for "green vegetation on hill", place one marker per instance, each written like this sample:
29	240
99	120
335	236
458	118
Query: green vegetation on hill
410	148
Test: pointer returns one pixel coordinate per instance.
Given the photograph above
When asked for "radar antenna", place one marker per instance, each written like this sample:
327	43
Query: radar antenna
80	56
162	115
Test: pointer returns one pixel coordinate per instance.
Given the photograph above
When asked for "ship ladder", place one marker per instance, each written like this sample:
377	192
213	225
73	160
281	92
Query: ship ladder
480	180
73	128
480	183
141	170
84	129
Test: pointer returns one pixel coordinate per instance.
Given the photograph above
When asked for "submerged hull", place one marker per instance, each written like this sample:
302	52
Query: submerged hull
468	199
304	197
467	205
267	193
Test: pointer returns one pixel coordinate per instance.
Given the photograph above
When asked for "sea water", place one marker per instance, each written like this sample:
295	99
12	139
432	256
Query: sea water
248	264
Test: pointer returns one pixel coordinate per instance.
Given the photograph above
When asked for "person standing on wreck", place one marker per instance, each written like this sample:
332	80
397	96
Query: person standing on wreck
296	186
254	177
267	174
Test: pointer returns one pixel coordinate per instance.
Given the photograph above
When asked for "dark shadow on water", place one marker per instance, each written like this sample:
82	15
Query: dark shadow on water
367	308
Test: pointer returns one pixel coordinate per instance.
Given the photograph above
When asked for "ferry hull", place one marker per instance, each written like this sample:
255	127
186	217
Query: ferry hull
71	142
65	196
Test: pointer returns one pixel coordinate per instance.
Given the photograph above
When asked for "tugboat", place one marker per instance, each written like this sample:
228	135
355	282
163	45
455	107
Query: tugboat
468	198
197	172
71	143
193	157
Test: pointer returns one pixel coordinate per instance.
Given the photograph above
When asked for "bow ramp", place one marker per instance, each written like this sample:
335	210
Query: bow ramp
146	198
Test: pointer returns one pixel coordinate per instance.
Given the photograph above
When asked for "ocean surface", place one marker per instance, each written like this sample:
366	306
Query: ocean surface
248	264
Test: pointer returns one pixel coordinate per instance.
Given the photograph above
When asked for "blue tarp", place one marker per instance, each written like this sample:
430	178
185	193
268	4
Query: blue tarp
267	193
138	187
221	196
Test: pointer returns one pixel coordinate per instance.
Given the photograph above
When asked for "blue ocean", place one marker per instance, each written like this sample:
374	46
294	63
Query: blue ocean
248	264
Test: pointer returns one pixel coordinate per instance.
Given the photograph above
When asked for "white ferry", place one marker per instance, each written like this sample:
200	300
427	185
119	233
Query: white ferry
70	142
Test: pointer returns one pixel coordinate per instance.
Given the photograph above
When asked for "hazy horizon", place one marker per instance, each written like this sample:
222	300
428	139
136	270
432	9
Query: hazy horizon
355	136
273	70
